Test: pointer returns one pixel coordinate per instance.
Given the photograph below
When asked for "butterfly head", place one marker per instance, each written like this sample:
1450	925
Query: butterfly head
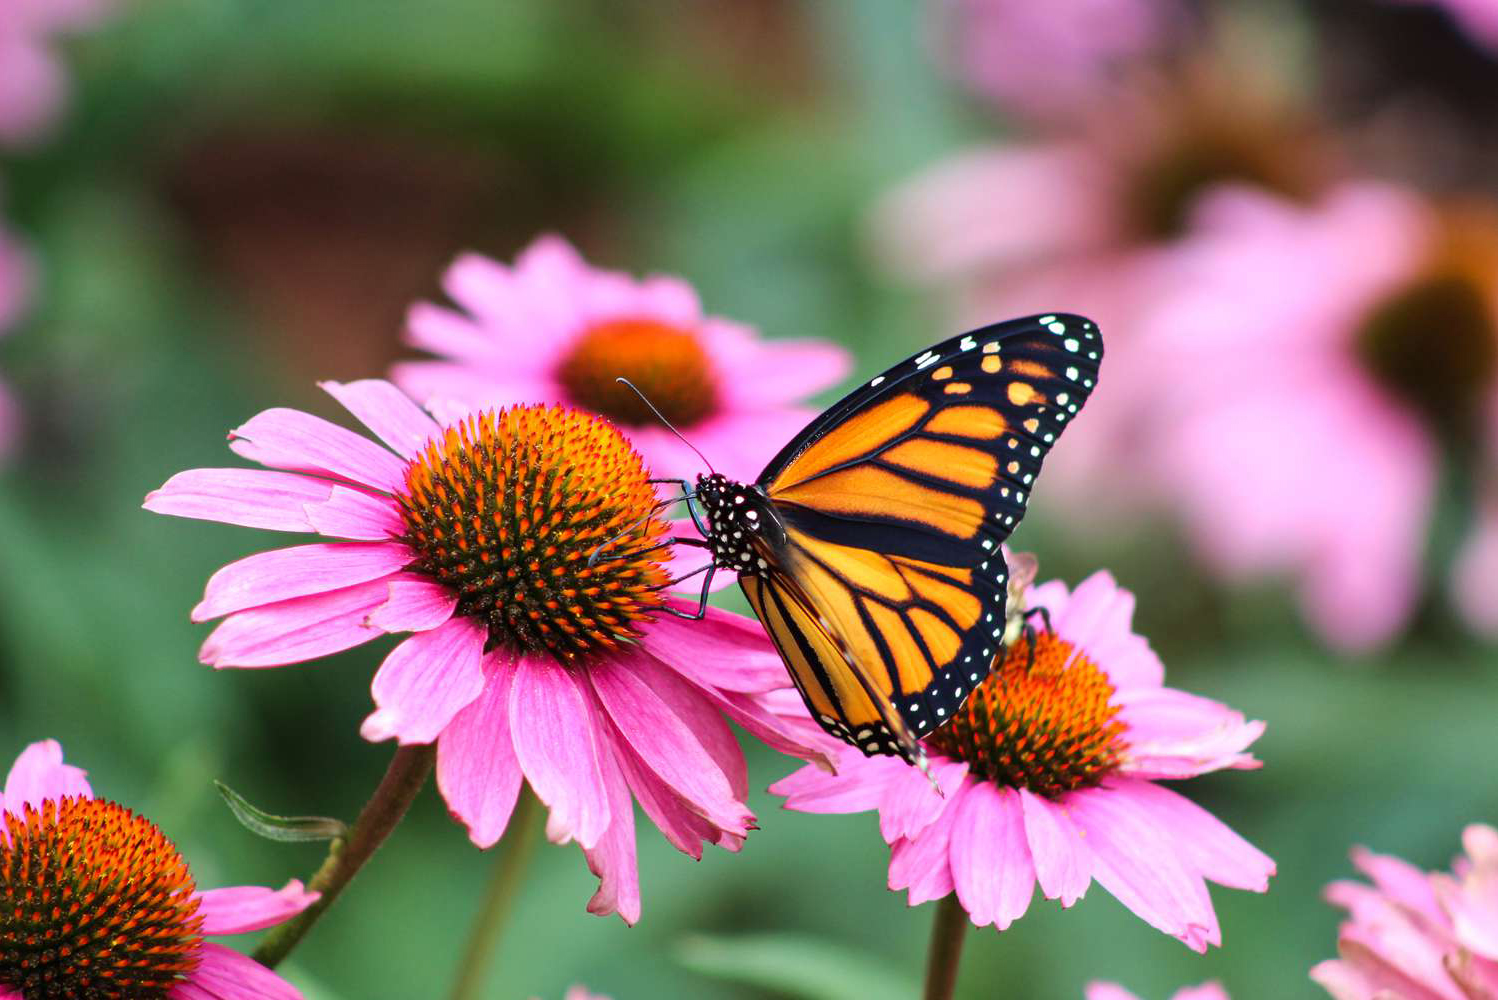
738	517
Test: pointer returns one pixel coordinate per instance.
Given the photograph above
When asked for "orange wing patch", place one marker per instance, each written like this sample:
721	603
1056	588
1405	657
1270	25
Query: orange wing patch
865	491
952	462
981	423
855	438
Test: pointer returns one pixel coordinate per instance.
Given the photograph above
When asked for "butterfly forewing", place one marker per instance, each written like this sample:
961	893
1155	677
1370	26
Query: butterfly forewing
889	588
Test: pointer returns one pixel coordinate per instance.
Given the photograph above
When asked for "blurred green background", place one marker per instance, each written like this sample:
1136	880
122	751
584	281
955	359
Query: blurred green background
245	197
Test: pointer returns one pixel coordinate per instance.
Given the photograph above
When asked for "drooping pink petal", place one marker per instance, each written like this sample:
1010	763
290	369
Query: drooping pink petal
1063	863
39	774
246	908
387	411
1401	882
254	498
1138	861
425	681
224	974
814	790
447	333
1173	734
795	737
921	865
477	770
723	650
282	574
991	862
613	859
683	827
353	514
1202	840
302	628
910	803
552	726
1107	991
661	732
299	442
415	605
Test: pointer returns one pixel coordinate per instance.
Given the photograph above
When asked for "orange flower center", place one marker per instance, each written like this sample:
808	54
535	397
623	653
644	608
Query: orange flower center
1434	342
98	905
667	364
507	508
1046	725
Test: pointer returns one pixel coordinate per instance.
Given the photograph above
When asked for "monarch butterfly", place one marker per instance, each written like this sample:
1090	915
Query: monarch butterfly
870	546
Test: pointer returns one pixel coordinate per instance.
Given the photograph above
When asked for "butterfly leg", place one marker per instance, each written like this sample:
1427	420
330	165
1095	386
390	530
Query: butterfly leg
707	582
1031	634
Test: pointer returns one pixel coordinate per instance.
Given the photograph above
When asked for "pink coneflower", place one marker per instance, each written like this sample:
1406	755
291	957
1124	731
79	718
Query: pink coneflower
527	662
1416	936
1047	59
1112	991
1093	220
553	329
1312	367
141	929
1049	774
33	85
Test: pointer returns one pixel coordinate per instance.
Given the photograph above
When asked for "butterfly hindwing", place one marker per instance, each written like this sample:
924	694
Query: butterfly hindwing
894	505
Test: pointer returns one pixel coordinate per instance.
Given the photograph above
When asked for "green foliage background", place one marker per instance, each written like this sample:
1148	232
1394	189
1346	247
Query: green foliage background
738	144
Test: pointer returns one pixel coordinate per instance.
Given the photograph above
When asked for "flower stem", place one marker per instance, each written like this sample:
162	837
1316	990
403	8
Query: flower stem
504	884
404	777
947	934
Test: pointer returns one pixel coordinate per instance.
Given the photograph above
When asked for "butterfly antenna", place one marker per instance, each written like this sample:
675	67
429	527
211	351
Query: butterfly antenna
646	400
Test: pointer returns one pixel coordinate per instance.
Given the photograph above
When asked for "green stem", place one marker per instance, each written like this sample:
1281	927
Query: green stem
947	934
404	778
504	884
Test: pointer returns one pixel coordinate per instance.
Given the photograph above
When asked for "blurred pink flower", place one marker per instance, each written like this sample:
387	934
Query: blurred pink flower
33	84
1309	368
1048	59
526	662
1478	18
1416	936
158	918
1049	774
1475	579
1089	224
1112	991
553	329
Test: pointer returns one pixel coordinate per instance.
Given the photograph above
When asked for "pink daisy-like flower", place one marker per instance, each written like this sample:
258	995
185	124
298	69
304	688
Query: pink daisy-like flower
1094	220
530	659
1417	936
1311	368
33	85
1044	60
1049	773
1113	991
552	329
143	922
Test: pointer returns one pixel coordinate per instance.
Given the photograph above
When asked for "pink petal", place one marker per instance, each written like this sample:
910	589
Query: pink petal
684	828
1173	734
354	514
1107	991
613	858
448	334
1138	861
39	774
723	650
1063	864
415	605
793	737
784	371
921	865
668	731
477	770
553	728
1401	882
425	681
1206	991
282	574
1202	840
227	975
991	862
813	790
910	804
1098	619
254	498
387	411
303	628
246	908
299	442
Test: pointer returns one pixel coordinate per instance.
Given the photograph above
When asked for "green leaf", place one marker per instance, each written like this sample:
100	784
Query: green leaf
796	966
289	829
